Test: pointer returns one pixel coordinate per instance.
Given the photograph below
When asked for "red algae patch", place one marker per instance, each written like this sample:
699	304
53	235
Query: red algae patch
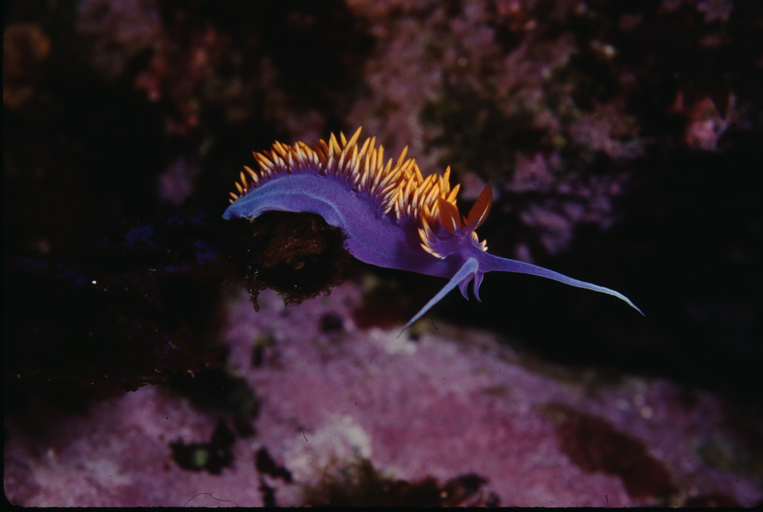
594	445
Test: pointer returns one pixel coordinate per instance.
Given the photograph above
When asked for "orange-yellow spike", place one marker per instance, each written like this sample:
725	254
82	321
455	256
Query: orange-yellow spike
401	158
396	183
376	185
324	149
363	149
419	177
354	137
453	193
333	146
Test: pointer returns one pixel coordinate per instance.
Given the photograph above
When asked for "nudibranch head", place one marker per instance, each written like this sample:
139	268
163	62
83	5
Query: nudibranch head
400	189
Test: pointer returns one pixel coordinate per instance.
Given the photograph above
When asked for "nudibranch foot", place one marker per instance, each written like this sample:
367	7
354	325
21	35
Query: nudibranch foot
392	216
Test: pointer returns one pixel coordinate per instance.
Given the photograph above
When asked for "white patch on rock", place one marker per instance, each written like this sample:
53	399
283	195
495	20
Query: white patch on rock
333	446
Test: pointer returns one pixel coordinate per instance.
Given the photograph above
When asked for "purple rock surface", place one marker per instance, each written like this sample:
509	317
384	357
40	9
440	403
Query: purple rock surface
439	403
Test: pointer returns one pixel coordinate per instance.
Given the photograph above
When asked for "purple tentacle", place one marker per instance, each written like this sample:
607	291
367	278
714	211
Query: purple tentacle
465	273
495	263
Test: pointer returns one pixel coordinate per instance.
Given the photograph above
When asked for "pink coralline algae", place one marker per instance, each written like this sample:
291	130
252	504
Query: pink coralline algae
118	30
175	184
705	124
487	88
711	9
458	70
422	47
478	86
452	405
565	204
179	72
605	129
715	9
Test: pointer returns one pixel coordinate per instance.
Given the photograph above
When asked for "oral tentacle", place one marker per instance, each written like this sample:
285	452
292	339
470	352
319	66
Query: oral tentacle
496	263
470	267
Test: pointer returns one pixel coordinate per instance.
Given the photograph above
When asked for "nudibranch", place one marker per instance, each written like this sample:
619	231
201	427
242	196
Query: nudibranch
393	217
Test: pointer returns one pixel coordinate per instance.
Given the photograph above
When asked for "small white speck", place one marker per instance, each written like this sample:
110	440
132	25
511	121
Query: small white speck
93	282
646	412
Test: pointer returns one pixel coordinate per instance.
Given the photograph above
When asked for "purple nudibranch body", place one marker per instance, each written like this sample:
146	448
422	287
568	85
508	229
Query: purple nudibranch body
393	217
